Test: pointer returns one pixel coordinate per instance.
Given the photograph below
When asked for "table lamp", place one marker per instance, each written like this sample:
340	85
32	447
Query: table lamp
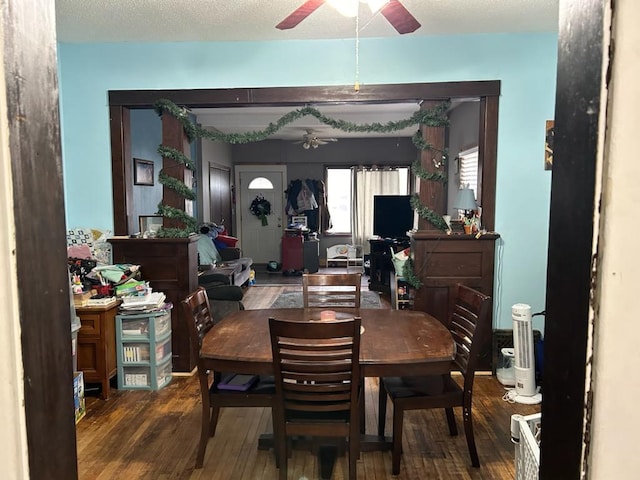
466	201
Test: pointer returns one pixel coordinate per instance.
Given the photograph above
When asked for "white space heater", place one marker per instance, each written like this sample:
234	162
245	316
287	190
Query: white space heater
525	371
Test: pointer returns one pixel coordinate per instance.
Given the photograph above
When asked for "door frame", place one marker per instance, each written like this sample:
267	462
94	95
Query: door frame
121	102
238	169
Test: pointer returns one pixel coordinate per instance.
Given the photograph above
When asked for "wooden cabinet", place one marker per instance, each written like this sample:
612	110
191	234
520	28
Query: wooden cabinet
97	345
441	261
170	265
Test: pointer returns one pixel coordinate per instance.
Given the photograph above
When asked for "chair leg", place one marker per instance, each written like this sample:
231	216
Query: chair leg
362	407
354	450
204	434
280	443
396	452
451	421
468	432
382	408
215	413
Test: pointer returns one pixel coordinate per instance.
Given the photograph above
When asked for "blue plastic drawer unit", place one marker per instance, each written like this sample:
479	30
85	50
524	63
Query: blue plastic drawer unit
144	350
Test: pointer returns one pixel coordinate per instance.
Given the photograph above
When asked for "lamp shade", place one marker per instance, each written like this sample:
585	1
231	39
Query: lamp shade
465	200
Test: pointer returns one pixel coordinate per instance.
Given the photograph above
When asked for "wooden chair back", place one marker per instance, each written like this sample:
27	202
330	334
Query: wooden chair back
197	311
468	324
317	377
331	290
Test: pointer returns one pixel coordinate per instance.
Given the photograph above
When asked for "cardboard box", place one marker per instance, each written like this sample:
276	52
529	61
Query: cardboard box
78	395
81	299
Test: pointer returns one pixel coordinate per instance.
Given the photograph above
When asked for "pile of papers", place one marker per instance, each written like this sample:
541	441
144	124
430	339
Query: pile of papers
143	303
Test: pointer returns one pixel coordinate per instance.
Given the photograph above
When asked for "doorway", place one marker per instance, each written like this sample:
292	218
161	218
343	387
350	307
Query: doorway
261	239
220	199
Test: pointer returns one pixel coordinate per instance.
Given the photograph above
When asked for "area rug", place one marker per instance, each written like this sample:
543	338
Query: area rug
294	300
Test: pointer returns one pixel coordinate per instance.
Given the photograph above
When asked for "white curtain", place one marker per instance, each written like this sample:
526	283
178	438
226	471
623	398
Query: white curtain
368	182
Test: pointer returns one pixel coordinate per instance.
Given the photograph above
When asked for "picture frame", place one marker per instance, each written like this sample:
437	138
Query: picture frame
143	172
149	225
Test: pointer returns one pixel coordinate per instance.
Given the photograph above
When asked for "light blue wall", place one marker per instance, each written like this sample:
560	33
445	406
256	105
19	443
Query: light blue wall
525	64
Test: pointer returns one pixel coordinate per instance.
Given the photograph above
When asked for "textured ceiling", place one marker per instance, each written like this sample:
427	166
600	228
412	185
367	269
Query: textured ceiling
86	21
250	20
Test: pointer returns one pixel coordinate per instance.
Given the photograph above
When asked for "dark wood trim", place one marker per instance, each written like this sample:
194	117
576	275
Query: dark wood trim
121	173
488	91
569	273
305	95
30	69
487	160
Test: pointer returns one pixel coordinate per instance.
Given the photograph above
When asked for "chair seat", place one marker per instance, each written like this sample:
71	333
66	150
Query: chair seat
265	385
422	386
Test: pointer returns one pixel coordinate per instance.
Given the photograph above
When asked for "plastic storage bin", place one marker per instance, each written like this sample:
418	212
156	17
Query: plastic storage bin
525	434
144	350
505	370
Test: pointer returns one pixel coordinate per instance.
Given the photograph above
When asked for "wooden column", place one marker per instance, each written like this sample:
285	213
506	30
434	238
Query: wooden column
173	136
432	194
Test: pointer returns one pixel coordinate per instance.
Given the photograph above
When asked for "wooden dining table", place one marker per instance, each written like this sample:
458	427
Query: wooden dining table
392	343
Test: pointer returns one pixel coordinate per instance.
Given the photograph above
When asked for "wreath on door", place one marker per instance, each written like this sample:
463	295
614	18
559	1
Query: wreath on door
261	207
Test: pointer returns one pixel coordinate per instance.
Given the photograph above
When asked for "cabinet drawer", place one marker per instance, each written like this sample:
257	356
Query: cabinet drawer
90	324
136	327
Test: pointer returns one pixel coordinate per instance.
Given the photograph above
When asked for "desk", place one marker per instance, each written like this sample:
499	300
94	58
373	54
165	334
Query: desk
394	343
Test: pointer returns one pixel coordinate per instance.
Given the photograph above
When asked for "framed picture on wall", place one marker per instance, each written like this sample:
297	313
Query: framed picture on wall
142	172
150	224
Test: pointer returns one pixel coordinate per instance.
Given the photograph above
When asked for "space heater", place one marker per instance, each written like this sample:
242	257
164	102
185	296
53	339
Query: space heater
525	390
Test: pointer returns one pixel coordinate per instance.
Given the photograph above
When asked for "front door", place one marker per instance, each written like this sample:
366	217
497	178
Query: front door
261	241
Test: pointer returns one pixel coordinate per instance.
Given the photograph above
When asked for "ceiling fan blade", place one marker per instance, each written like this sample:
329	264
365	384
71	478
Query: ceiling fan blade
299	14
399	17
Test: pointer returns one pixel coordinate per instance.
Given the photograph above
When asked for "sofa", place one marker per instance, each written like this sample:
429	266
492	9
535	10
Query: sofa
231	257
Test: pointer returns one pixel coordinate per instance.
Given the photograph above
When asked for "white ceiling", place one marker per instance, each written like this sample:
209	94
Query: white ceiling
250	20
87	21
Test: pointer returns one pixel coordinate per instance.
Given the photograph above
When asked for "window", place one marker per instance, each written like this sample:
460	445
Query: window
468	165
339	199
260	183
340	194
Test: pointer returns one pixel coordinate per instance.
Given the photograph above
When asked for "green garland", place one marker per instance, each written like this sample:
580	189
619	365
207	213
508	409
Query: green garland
434	117
409	275
179	157
420	172
428	214
176	185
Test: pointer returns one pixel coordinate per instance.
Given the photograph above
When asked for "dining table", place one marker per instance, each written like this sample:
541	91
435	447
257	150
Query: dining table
392	343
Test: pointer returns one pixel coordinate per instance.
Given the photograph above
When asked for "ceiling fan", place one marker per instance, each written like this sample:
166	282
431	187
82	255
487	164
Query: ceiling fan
311	140
395	13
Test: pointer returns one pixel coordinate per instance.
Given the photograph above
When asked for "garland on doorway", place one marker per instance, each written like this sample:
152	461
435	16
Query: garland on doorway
434	117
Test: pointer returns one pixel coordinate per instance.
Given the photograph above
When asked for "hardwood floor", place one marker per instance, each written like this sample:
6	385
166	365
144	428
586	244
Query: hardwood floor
153	435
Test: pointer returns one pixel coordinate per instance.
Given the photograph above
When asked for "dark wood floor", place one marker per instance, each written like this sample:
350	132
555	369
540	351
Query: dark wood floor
153	435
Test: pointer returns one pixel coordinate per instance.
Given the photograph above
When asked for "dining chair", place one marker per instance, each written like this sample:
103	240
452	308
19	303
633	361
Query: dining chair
199	319
469	323
331	290
317	377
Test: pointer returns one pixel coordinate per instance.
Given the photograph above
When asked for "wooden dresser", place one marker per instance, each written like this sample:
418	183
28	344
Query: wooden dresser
97	345
170	265
441	261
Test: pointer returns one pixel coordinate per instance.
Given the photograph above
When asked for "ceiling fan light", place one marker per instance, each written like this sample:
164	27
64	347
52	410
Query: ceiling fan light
347	8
